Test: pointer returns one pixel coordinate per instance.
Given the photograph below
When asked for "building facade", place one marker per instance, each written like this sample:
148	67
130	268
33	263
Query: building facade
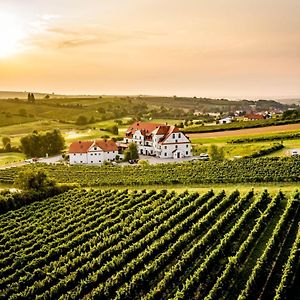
159	140
92	152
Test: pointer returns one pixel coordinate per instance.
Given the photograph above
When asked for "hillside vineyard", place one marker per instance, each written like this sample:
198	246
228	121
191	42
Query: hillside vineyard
246	170
152	245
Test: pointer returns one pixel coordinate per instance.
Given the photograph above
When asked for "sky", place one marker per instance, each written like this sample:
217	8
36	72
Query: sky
205	48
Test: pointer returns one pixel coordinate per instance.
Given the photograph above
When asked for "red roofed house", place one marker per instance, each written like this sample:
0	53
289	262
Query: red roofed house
92	152
160	140
253	117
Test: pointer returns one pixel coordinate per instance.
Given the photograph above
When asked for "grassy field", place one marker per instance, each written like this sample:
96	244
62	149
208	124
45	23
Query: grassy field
7	158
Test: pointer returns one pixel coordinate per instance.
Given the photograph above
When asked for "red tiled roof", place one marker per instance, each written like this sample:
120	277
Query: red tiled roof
171	129
145	127
80	147
84	146
254	116
107	145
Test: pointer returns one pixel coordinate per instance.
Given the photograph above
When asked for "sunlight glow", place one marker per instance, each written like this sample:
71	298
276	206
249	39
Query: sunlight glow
11	35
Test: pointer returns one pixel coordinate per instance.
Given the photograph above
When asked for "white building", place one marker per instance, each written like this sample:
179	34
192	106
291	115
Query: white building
226	120
159	140
92	152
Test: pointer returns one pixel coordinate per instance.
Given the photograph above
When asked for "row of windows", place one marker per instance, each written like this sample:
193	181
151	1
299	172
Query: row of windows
174	135
186	153
94	153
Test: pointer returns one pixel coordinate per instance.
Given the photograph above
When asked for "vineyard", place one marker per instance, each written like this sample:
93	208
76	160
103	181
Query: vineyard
245	170
152	245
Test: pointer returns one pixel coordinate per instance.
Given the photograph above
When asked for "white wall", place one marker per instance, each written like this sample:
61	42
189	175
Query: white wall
93	158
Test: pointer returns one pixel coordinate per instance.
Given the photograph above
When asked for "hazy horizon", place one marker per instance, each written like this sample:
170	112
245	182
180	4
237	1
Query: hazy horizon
217	49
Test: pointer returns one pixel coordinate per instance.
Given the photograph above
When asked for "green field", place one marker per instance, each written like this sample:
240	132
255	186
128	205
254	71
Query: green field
240	171
7	158
151	244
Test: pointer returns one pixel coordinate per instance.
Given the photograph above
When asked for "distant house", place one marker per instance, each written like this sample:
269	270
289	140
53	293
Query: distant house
92	152
226	120
164	141
253	117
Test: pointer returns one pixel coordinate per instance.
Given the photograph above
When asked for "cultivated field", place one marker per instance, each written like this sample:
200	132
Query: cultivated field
245	132
151	245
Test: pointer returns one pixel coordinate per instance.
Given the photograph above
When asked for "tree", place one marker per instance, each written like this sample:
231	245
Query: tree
47	97
33	180
5	141
31	97
81	120
216	153
92	120
131	152
37	145
113	129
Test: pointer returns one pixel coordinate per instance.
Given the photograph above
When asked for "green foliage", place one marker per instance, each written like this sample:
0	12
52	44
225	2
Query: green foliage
31	97
293	114
262	152
112	244
246	170
131	153
81	120
5	141
280	137
216	153
38	145
33	180
113	129
239	125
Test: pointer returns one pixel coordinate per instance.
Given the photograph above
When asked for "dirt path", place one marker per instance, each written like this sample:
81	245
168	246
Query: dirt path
249	131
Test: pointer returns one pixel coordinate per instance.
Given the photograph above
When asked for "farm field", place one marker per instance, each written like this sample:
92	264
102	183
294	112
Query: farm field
7	158
250	131
147	244
258	170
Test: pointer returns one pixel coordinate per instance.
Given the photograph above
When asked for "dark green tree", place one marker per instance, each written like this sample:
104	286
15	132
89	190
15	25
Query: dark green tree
81	120
33	180
5	141
131	152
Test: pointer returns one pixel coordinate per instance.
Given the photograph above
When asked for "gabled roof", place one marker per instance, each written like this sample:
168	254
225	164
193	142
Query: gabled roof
150	129
171	129
80	147
145	127
84	146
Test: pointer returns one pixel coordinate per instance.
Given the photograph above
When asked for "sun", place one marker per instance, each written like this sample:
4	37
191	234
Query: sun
11	35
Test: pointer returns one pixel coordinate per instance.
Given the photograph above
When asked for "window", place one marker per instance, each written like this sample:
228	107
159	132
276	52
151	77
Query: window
176	141
165	147
74	154
173	135
91	153
187	152
95	148
91	161
179	135
176	146
187	146
80	154
165	154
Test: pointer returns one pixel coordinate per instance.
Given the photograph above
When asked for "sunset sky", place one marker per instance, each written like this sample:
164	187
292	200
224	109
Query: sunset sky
213	48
